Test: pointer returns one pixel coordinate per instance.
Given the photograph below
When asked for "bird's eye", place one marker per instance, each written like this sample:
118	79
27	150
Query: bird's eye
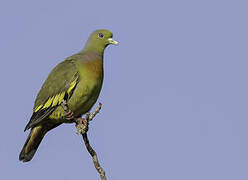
100	35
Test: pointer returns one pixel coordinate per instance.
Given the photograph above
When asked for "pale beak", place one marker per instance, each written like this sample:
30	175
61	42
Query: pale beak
111	41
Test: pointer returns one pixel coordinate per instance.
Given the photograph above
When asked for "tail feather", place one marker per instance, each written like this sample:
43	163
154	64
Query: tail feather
32	143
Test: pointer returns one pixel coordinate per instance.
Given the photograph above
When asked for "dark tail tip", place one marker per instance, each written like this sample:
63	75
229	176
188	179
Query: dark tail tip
32	143
25	157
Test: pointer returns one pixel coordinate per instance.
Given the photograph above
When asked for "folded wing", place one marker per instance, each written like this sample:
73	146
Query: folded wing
59	85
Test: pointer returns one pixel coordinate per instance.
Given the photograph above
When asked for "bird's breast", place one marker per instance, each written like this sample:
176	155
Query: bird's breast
88	88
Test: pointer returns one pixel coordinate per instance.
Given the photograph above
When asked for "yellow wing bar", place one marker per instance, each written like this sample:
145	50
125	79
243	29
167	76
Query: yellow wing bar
57	99
72	85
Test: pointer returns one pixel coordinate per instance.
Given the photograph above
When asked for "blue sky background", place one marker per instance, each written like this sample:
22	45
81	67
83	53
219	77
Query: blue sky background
174	97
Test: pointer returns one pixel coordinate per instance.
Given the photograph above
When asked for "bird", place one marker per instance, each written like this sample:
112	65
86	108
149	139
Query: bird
77	80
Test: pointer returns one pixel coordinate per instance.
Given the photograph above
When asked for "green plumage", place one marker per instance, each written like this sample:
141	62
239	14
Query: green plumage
78	80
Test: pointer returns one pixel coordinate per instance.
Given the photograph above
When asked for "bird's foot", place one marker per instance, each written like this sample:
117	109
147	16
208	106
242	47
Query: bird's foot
82	125
69	115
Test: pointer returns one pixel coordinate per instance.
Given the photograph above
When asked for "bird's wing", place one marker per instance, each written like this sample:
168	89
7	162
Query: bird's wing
59	85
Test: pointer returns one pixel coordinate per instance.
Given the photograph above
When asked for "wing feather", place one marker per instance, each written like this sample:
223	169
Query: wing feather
59	85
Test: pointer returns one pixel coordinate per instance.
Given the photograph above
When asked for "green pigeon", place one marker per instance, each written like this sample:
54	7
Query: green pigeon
78	81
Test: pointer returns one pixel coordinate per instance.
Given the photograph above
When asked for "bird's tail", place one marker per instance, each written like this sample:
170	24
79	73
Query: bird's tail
32	143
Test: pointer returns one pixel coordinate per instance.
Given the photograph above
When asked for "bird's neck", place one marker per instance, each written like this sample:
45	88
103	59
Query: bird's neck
92	48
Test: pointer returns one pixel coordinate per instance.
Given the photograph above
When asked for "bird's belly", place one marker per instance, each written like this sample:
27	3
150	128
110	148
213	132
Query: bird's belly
84	97
82	100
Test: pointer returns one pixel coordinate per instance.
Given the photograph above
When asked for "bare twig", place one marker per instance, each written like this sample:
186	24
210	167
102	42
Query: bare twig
94	157
92	115
83	132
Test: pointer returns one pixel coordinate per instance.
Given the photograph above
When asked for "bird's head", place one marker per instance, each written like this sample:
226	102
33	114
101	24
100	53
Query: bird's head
99	40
